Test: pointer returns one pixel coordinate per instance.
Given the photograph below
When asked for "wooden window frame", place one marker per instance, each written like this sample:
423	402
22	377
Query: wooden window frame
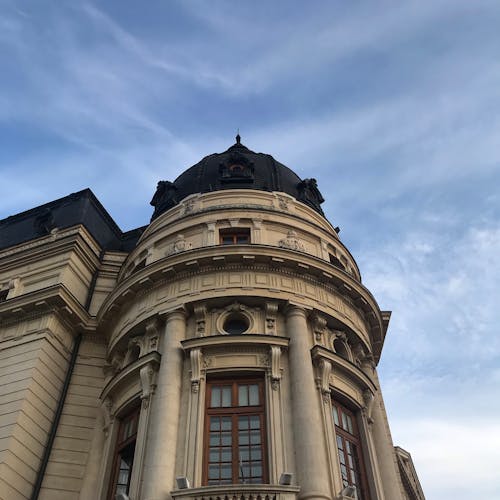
122	445
354	439
235	233
235	411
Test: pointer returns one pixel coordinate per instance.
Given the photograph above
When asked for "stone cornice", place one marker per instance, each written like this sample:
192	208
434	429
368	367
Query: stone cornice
130	372
232	341
51	243
54	298
338	363
285	261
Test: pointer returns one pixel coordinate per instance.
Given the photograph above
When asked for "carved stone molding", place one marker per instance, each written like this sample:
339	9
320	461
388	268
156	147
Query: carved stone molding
271	312
323	370
147	376
179	245
319	327
200	313
108	415
143	370
195	357
368	398
276	370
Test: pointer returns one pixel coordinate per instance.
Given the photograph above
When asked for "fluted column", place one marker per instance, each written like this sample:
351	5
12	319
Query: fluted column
310	453
159	469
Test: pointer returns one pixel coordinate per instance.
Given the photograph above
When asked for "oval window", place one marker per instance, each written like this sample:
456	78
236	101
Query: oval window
236	324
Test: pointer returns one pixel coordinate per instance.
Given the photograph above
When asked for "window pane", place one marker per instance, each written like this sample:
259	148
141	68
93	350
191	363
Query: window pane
256	453
226	455
344	422
243	423
214	455
214	423
349	424
214	440
335	415
213	471
243	437
257	470
226	439
243	395
255	437
225	471
226	396
242	238
254	422
339	443
244	454
226	423
254	395
215	402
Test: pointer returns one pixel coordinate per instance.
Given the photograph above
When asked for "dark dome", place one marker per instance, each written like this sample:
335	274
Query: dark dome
236	168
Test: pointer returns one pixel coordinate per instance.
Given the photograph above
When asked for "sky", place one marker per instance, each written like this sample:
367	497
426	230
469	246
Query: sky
394	107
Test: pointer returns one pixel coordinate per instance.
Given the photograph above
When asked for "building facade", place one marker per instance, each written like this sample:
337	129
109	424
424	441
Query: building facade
227	350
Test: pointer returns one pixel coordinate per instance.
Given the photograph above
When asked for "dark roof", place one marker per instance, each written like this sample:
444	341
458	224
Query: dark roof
236	168
77	208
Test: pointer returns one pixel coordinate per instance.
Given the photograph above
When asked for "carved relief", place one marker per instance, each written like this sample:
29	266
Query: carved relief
271	312
148	384
368	398
179	245
323	370
188	206
292	242
195	357
108	415
200	313
283	203
363	359
320	328
276	370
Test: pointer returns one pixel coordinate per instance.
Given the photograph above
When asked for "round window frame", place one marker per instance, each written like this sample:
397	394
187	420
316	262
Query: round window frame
223	318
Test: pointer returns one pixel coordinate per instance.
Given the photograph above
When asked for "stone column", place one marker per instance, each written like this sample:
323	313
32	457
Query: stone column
159	467
311	460
391	481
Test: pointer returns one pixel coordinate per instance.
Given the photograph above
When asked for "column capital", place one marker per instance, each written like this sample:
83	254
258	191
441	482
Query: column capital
293	309
177	313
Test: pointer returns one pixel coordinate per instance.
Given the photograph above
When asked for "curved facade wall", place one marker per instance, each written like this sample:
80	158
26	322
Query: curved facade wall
230	354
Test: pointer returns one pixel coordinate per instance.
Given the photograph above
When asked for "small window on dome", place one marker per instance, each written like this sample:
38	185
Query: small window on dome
234	236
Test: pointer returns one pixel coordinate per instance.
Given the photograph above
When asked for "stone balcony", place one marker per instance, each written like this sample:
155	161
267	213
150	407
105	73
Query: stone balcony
238	492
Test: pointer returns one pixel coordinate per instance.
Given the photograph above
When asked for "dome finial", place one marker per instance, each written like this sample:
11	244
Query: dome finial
238	138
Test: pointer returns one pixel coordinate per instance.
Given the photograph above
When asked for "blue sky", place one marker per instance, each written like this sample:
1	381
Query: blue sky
393	106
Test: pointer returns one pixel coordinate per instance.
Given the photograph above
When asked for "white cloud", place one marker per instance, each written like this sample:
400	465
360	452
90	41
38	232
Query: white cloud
454	457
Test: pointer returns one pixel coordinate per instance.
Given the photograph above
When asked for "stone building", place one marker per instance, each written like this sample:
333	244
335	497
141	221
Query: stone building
227	350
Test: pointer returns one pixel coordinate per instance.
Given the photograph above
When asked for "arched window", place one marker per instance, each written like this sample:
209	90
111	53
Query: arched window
352	468
124	454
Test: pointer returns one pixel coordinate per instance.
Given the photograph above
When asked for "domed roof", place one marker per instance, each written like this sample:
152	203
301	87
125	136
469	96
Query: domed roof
236	168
